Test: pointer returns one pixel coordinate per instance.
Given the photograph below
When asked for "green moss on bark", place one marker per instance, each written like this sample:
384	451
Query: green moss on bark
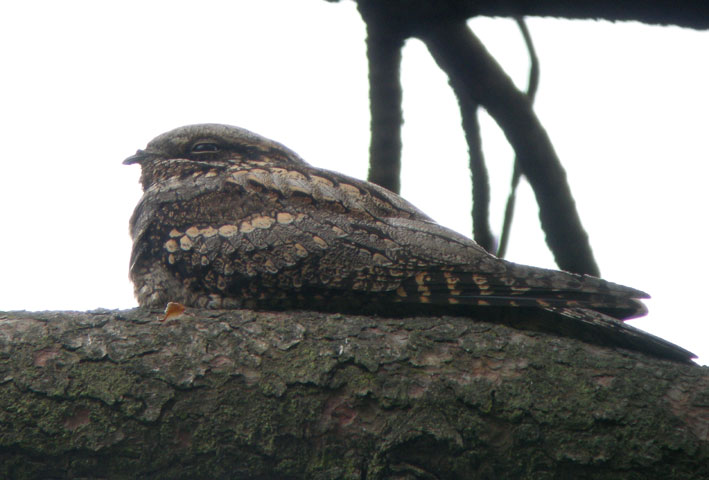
238	394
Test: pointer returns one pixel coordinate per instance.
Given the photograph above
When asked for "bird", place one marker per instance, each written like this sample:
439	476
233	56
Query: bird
230	219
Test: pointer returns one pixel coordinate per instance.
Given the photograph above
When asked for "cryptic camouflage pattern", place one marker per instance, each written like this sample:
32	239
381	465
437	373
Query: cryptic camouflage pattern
230	219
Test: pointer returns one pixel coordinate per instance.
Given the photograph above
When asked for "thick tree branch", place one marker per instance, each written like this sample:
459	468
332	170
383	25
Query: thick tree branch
466	61
412	14
384	56
239	394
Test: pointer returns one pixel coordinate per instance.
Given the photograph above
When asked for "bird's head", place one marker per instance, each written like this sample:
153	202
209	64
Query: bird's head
186	150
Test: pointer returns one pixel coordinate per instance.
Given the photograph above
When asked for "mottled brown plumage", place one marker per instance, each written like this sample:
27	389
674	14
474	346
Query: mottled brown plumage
230	219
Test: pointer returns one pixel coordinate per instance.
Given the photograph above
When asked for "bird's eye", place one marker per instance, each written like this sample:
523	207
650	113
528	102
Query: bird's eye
205	147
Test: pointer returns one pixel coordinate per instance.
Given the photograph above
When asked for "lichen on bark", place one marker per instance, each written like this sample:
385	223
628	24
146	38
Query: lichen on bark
242	394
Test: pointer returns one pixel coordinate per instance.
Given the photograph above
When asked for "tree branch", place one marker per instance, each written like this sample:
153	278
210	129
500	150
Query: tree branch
411	14
532	85
384	55
482	233
466	61
240	394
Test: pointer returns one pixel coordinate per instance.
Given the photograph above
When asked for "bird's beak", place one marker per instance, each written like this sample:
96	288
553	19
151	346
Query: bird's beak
139	157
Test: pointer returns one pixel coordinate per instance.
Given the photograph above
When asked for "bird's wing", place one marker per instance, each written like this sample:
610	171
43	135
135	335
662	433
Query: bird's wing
323	262
319	229
454	269
268	242
441	265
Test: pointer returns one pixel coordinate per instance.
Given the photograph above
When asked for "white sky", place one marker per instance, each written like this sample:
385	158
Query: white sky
85	83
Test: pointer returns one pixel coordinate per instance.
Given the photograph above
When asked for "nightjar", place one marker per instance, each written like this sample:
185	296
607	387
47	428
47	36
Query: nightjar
230	219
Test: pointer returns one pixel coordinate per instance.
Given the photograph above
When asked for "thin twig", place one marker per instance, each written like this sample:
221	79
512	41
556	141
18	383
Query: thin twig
482	233
466	61
532	85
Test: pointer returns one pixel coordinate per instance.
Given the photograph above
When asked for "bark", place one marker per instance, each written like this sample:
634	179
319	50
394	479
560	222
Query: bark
242	394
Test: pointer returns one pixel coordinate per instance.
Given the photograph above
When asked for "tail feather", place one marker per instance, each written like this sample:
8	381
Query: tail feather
609	330
453	287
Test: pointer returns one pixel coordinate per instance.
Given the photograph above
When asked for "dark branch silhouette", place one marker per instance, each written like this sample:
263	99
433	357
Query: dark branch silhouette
532	85
466	61
482	233
420	13
477	80
384	56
